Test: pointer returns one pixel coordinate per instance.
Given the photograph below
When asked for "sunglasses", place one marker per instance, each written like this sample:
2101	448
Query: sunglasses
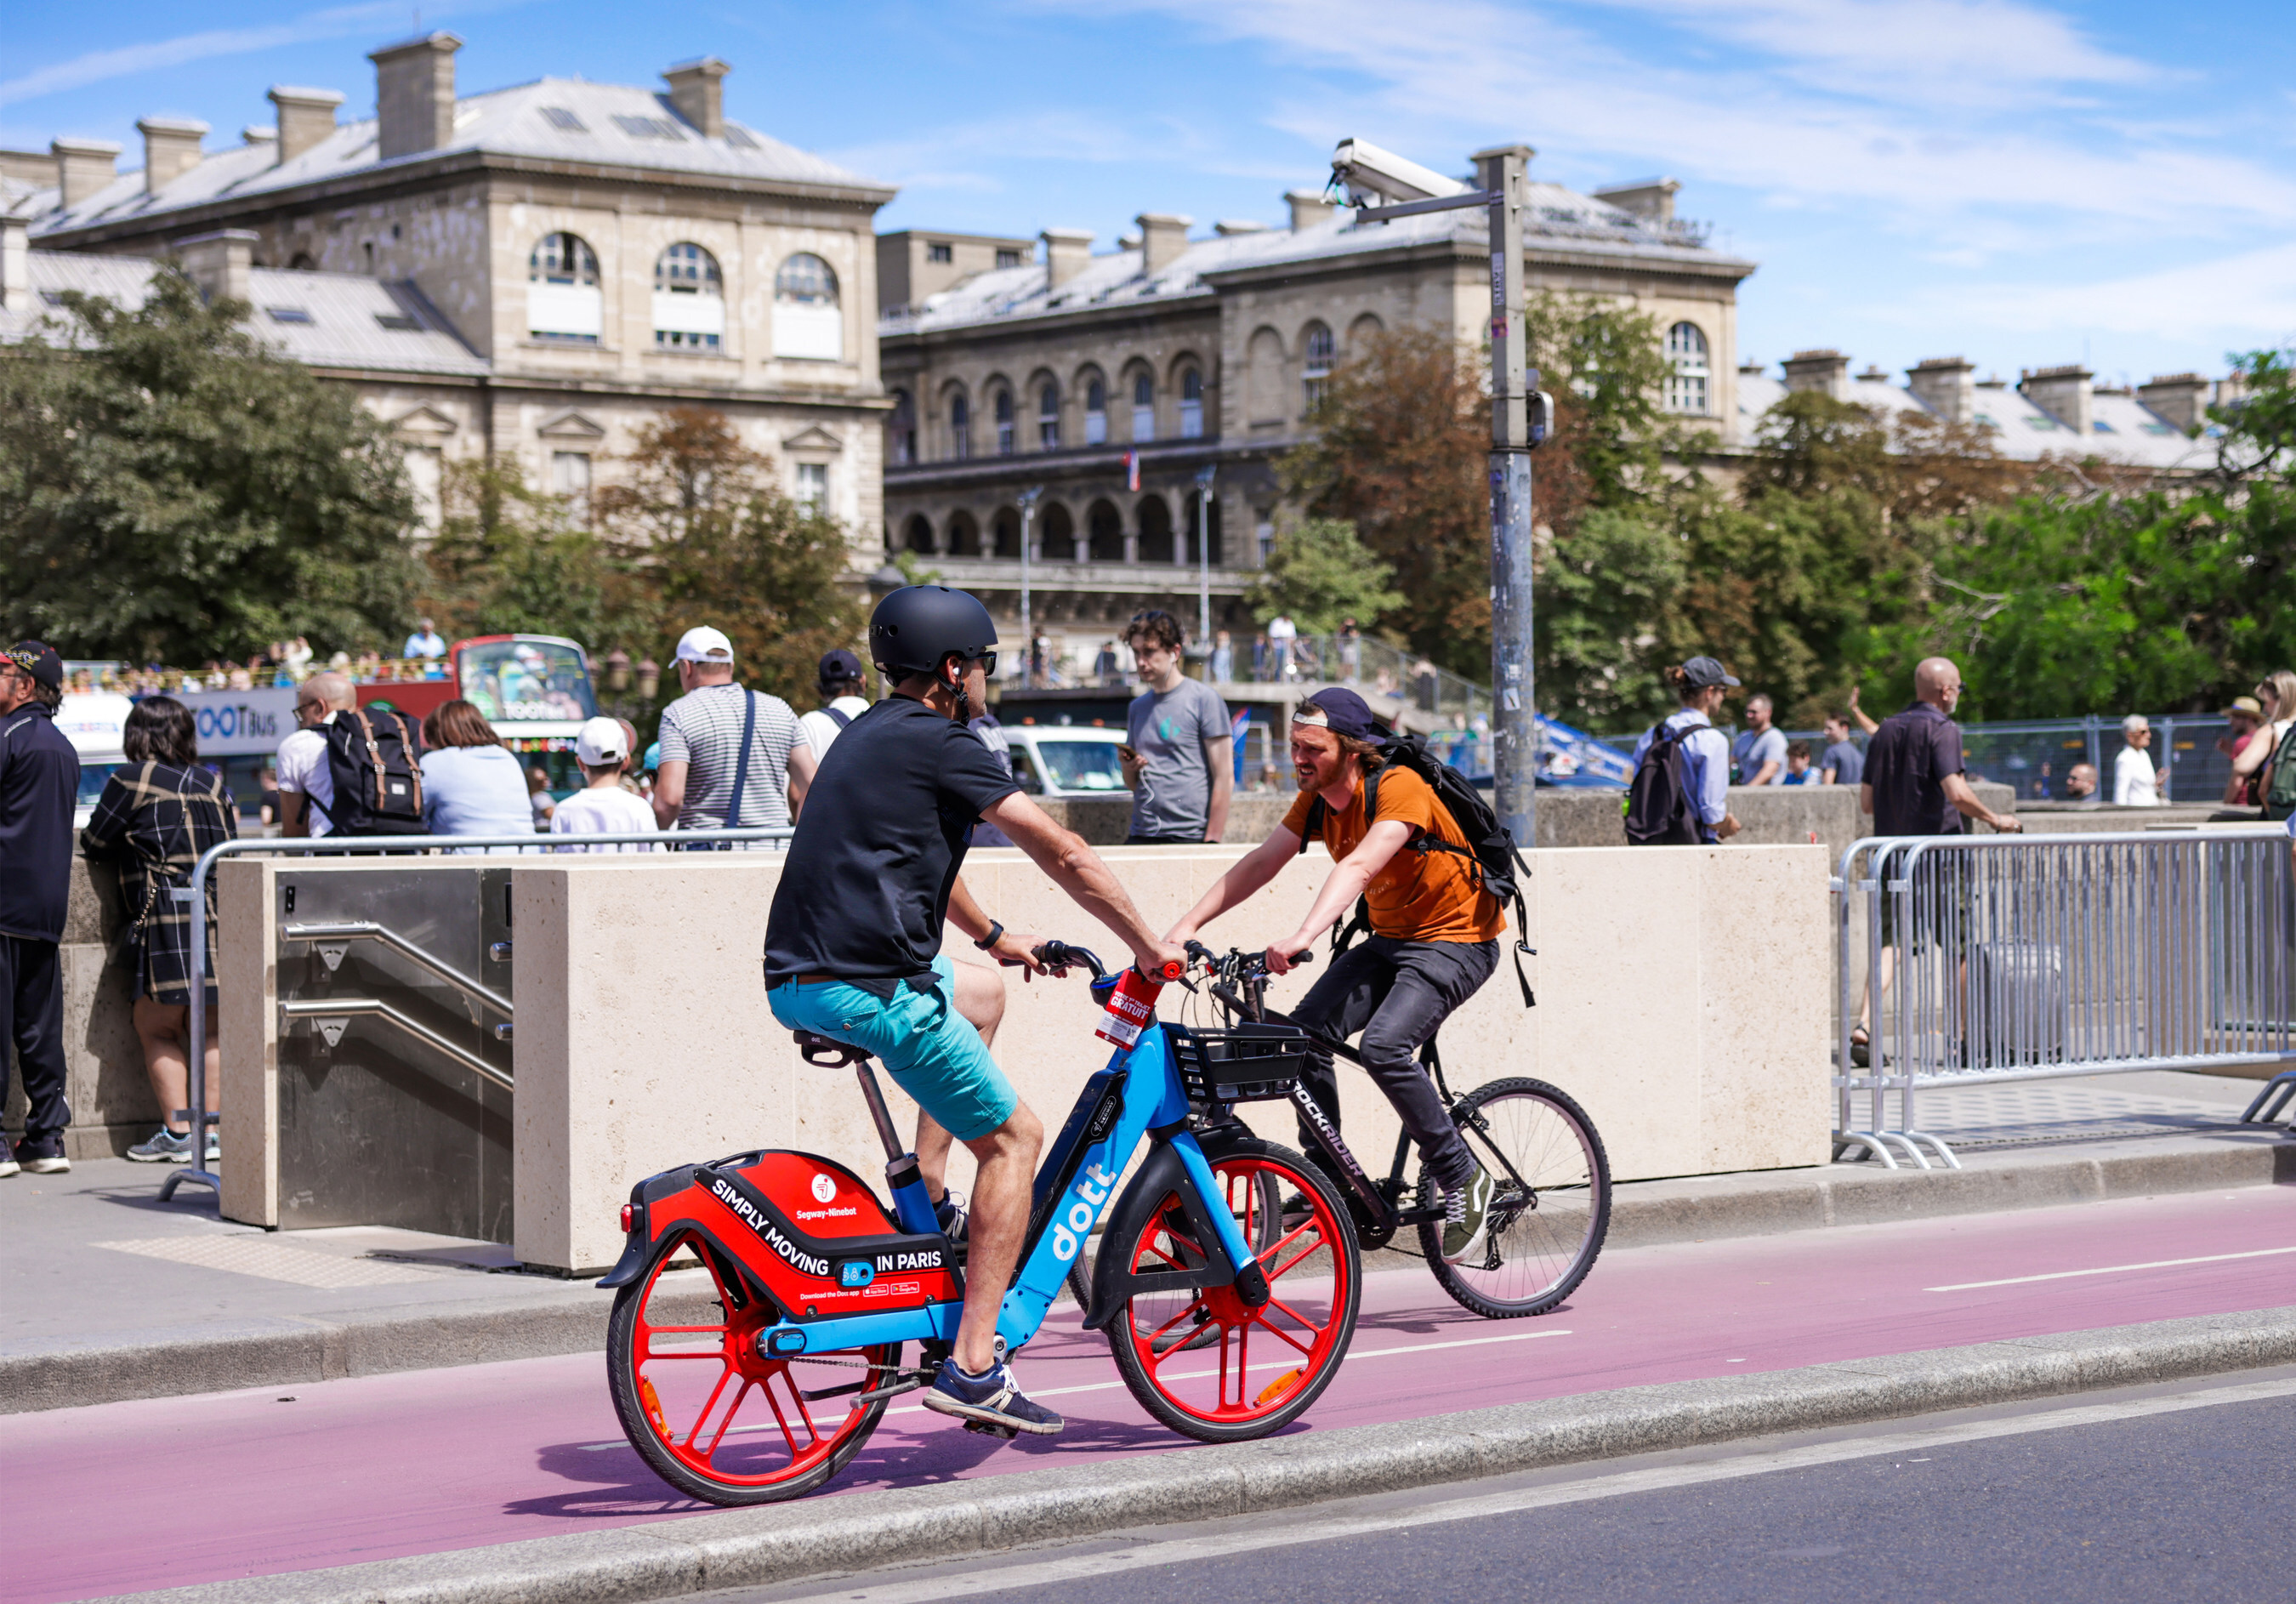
987	659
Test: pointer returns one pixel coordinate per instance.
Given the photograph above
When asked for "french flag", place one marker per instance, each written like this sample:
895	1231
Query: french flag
1132	471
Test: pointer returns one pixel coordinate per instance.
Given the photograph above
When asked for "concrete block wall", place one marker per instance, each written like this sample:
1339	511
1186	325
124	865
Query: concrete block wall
112	1103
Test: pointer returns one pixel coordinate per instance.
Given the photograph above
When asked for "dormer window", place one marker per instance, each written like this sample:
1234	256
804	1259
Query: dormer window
941	254
564	120
1008	259
689	300
563	301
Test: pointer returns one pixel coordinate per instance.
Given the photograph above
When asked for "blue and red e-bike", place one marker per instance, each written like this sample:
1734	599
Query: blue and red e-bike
766	1303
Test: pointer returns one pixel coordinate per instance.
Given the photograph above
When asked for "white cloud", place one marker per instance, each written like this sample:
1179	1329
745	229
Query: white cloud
2235	300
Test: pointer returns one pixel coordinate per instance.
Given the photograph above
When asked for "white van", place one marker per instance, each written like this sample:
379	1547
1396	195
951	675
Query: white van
1066	760
94	722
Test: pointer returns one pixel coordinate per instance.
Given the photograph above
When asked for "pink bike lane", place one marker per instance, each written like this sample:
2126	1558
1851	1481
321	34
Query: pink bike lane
123	1497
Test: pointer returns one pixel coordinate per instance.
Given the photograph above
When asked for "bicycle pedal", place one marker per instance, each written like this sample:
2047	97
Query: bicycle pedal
988	1430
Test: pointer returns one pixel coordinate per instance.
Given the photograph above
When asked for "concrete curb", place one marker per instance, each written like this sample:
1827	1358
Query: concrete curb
752	1548
218	1357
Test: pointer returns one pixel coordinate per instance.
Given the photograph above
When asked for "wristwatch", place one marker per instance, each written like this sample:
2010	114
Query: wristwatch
996	934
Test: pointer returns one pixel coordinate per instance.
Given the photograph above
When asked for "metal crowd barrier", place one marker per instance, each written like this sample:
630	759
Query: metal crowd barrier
195	894
2020	958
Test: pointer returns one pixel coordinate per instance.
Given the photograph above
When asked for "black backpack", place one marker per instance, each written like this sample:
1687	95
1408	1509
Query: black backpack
1657	803
372	758
1491	845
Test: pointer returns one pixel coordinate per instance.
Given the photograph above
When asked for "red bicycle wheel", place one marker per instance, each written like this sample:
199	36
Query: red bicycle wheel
710	1413
1198	1359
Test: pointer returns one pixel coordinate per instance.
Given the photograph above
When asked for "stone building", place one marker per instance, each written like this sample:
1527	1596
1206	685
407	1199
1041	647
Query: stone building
1112	382
536	272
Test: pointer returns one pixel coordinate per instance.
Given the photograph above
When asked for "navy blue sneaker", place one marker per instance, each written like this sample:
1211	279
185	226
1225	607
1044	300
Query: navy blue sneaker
994	1401
950	1215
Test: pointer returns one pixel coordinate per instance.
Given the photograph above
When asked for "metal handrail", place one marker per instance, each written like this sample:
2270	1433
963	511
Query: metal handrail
333	1008
194	893
366	930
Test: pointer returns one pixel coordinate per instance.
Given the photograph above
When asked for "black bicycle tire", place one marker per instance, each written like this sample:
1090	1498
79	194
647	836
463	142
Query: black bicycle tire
1431	1232
620	1385
1144	1391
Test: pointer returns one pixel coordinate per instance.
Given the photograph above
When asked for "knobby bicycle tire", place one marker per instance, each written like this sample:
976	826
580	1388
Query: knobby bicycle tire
1546	1235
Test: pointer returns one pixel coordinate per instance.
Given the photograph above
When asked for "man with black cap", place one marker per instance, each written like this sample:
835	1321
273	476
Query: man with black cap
1700	684
39	783
842	702
1434	934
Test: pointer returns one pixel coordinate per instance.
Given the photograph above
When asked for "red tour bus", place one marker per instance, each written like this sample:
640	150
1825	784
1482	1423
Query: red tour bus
534	689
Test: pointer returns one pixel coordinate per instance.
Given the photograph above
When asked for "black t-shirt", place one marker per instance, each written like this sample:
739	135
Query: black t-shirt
39	788
1907	763
878	845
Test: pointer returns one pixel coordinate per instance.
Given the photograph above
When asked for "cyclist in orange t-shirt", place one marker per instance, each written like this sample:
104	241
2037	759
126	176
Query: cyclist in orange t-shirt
1433	942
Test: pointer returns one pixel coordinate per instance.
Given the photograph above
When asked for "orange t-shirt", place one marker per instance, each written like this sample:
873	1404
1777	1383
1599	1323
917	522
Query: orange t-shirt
1418	896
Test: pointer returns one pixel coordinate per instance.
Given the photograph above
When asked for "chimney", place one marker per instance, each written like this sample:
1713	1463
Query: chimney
83	166
1946	385
37	169
1649	199
697	92
1227	228
257	133
306	117
1163	236
1308	208
171	148
1066	252
2179	398
1827	372
219	263
414	95
15	264
2063	393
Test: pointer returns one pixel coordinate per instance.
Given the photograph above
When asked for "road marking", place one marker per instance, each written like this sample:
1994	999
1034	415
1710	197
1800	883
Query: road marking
1085	1567
2064	1275
1102	1386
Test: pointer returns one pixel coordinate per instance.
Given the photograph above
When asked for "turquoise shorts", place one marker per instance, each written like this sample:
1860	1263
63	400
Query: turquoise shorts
931	1051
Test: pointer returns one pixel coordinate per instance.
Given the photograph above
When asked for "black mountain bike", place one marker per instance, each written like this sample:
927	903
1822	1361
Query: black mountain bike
1550	1204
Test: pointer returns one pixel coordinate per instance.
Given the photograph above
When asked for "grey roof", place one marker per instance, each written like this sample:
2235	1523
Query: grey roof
1555	218
330	319
619	125
2123	429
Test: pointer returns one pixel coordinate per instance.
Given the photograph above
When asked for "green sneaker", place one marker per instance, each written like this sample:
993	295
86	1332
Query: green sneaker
1467	1218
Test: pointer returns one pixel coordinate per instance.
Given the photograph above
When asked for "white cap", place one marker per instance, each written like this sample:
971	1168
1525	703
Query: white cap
600	743
702	643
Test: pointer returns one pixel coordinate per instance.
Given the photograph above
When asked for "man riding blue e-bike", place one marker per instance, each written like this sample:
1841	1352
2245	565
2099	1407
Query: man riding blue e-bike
853	943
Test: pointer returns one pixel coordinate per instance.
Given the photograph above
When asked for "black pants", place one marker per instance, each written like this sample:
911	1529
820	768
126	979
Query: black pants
1397	994
32	1017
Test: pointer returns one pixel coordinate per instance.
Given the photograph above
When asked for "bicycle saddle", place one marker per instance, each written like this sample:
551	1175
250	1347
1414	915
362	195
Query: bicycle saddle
826	1052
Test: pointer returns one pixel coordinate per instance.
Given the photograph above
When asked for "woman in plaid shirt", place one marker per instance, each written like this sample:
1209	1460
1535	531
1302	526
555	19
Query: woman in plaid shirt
160	811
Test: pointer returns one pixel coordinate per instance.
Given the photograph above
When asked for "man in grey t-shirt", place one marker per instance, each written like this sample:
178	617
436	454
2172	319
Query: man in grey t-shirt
1759	753
1179	756
701	747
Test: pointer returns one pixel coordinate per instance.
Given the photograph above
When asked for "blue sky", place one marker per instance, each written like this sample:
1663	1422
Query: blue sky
2021	183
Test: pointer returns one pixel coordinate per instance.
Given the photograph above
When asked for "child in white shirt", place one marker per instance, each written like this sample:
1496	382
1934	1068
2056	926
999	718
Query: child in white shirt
603	808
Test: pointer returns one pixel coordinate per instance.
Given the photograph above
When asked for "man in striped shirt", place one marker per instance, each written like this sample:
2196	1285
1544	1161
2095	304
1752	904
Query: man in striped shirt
701	747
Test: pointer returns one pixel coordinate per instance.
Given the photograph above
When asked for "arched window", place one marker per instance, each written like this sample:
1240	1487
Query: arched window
1155	530
920	534
1048	416
960	426
689	300
1686	369
964	536
1001	405
1104	533
1096	411
1317	350
1192	404
808	324
563	301
1143	405
1056	533
901	430
1004	536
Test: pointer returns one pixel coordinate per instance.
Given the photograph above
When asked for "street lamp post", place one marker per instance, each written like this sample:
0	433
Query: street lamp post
1520	412
1027	499
1204	476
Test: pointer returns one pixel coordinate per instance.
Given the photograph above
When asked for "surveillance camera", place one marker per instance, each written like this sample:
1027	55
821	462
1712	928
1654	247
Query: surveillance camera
1369	172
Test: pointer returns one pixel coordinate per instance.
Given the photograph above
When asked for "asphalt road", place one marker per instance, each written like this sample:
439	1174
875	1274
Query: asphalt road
2170	1493
340	1472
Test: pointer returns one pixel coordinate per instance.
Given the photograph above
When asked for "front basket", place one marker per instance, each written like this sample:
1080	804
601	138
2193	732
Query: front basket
1252	1063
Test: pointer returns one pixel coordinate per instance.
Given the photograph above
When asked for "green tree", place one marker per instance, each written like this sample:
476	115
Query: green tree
1602	597
512	560
1320	574
710	537
174	491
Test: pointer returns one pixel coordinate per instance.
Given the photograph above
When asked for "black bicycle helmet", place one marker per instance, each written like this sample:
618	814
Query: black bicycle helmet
913	630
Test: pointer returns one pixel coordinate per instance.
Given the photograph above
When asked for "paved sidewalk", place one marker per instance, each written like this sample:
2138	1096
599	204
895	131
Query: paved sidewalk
111	1294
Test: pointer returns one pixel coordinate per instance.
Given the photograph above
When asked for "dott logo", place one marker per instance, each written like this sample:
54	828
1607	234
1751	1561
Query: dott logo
765	1228
1090	1194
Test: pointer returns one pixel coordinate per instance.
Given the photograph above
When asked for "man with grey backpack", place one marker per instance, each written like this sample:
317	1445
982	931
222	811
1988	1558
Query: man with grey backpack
732	758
